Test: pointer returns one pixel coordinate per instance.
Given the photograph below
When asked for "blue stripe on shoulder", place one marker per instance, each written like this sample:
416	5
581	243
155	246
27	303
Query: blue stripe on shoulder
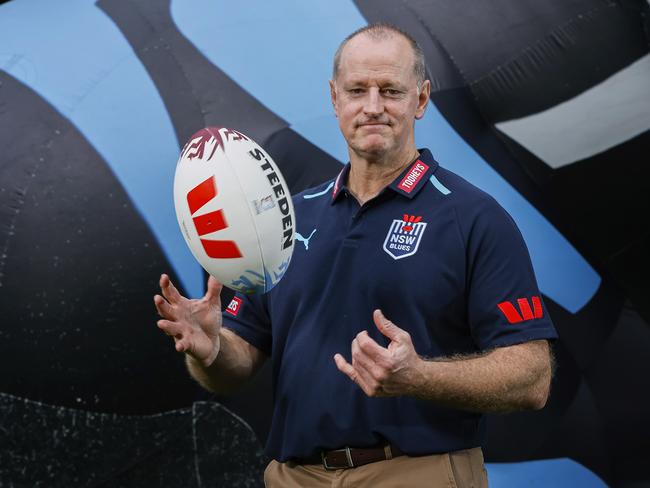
320	193
439	186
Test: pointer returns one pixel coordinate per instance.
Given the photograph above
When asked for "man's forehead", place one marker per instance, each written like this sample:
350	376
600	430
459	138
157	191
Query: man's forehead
363	52
366	46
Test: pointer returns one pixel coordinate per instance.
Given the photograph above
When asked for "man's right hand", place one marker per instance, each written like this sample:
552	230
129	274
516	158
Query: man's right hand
193	323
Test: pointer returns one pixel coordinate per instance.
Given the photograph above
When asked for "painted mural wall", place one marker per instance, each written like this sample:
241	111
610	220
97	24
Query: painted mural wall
544	105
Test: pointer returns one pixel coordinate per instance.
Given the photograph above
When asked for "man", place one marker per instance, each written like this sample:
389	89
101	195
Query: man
409	308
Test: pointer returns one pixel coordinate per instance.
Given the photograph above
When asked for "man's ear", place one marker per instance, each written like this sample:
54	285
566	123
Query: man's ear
333	96
423	99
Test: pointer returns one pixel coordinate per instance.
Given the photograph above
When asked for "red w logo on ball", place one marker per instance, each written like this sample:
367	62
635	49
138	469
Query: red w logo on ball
210	222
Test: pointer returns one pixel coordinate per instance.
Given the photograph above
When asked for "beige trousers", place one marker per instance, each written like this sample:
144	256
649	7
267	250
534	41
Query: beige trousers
459	469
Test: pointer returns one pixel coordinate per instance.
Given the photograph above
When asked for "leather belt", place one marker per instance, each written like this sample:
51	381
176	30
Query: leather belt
350	457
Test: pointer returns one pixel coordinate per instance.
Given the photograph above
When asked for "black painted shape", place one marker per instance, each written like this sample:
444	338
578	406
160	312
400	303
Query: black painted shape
620	384
483	36
606	193
606	198
582	52
513	54
580	434
202	445
78	269
228	453
585	333
631	269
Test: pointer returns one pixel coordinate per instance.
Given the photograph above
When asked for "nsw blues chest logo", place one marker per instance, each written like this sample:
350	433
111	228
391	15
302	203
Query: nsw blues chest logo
404	236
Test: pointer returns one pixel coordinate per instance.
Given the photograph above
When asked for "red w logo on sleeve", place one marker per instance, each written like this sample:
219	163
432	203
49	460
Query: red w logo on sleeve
524	313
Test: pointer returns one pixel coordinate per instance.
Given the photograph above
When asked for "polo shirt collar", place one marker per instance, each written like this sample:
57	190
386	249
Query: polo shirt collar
408	183
415	176
340	182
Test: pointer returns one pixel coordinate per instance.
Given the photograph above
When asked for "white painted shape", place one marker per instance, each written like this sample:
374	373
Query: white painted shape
602	117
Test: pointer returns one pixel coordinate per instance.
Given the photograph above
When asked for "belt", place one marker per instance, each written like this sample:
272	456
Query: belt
351	457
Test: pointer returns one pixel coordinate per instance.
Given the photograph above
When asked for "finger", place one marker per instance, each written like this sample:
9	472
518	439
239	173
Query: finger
371	372
365	379
387	328
347	369
213	293
370	347
164	309
169	291
360	359
171	328
181	346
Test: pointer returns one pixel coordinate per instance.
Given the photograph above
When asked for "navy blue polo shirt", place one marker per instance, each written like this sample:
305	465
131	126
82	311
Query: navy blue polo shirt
438	256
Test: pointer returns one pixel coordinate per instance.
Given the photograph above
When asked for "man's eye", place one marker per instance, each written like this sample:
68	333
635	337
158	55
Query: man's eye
356	91
391	91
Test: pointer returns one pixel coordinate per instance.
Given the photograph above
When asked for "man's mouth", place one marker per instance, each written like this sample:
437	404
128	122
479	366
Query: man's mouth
371	124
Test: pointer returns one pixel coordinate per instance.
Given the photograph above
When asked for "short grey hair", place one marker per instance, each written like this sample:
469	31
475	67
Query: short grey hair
379	32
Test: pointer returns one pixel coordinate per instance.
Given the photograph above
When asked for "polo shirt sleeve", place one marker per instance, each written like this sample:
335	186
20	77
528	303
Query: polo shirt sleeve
247	316
504	304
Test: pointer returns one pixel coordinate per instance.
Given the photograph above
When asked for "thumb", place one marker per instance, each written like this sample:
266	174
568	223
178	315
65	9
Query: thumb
385	326
214	290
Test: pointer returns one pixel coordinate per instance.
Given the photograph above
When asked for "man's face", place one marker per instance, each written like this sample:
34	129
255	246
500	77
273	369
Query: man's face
376	97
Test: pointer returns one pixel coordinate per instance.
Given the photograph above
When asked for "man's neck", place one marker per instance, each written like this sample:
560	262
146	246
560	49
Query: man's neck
368	177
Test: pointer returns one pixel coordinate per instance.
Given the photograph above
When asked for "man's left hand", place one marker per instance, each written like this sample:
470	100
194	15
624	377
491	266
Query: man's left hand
383	371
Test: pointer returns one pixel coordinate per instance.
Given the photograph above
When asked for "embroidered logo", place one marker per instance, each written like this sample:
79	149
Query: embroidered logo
413	177
404	236
525	311
233	306
300	238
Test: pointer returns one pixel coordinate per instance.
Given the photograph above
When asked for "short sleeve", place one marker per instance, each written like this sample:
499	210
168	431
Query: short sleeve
247	316
505	306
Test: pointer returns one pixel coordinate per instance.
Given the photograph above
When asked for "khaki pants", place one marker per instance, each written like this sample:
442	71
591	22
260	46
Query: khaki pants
459	469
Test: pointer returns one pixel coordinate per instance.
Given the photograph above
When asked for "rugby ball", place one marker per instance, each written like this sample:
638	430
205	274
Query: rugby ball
234	209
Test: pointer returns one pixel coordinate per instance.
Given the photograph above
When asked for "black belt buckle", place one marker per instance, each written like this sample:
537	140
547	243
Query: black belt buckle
348	456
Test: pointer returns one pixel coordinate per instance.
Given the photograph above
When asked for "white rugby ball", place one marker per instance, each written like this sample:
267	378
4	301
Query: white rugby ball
234	209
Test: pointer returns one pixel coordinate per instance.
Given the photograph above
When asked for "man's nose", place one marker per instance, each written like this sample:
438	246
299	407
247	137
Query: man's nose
374	104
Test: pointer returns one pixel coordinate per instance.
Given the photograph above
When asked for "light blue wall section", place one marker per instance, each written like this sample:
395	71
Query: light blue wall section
285	61
73	56
547	473
279	51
